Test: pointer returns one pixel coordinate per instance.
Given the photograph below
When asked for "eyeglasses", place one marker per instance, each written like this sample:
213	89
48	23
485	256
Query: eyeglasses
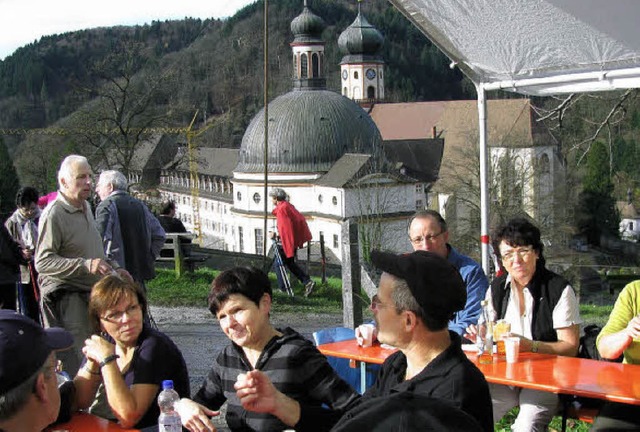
118	315
523	253
376	304
420	239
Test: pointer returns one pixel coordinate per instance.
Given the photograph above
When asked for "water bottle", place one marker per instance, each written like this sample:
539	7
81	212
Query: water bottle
169	420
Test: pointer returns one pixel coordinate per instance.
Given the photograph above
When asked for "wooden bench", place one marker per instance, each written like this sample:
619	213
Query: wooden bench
575	411
181	256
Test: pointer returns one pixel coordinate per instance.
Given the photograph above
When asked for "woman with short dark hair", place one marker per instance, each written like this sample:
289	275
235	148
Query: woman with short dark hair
240	299
126	359
543	311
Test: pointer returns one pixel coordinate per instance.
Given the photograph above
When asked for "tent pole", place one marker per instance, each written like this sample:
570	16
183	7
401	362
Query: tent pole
484	181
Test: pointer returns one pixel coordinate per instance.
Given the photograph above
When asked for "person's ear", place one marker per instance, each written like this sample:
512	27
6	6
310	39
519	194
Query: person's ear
40	388
265	302
410	320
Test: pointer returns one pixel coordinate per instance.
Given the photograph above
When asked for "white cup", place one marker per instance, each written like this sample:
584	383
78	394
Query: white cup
512	348
366	335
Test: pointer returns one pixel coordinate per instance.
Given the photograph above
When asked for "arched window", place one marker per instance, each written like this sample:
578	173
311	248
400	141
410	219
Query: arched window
315	65
345	92
544	165
304	66
355	74
371	92
295	66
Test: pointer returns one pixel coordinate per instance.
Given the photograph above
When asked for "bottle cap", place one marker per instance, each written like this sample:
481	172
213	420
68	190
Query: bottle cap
167	384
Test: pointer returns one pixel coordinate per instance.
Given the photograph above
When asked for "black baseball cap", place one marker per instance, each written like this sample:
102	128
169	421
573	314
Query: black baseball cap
436	284
24	347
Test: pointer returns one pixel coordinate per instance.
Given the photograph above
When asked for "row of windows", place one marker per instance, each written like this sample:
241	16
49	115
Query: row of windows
205	183
316	66
257	197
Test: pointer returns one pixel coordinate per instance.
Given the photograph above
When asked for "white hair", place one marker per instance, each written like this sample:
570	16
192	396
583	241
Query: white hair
115	179
65	171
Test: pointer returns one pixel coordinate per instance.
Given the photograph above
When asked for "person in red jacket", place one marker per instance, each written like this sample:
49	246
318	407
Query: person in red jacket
294	233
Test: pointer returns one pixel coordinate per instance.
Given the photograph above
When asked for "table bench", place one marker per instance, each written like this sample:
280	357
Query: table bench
184	260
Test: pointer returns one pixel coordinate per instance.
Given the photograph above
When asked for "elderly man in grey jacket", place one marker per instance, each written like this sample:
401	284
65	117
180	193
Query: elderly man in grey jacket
70	257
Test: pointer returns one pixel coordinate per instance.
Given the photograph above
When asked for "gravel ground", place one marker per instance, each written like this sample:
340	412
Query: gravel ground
199	337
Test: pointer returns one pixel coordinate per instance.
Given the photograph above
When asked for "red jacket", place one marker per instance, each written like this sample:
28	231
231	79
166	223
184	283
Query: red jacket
292	227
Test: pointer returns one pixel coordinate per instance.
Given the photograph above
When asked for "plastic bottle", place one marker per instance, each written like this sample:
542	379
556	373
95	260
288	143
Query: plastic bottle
169	420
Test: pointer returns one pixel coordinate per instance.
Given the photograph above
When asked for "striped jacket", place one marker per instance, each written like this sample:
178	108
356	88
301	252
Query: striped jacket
295	367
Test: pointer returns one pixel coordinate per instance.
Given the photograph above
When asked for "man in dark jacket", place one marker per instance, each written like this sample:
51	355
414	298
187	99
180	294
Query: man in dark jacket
417	295
11	256
130	232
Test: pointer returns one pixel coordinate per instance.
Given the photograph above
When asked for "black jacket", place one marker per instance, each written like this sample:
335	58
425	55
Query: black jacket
10	258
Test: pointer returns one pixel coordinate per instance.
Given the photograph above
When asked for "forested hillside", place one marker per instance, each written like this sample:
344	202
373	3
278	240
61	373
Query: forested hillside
94	90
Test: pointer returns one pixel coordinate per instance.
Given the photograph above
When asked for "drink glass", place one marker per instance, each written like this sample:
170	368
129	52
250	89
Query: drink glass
512	348
500	330
366	331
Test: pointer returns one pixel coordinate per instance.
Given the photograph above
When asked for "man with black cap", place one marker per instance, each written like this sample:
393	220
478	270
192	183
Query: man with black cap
417	296
29	396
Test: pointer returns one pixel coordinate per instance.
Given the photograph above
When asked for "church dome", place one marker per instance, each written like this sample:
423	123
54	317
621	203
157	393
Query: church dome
309	130
307	27
360	38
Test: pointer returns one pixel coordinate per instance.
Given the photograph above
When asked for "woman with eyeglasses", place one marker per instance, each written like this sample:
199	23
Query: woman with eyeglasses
543	311
126	360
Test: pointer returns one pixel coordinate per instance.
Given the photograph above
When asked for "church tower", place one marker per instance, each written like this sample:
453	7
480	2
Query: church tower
362	66
308	50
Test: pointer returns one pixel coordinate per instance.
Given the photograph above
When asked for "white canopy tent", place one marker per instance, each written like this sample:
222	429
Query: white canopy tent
534	47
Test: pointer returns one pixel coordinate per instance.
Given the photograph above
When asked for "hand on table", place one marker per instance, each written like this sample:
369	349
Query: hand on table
196	417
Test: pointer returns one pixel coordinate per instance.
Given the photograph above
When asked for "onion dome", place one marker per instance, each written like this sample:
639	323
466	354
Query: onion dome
307	27
360	38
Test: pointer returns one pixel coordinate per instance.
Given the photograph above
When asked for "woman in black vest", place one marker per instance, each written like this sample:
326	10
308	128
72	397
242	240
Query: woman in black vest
543	311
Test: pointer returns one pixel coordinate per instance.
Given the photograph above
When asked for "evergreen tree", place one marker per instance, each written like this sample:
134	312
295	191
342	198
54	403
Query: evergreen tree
9	183
596	213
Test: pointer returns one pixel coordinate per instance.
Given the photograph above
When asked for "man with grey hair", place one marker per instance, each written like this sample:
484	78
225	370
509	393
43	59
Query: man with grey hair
130	232
70	257
29	395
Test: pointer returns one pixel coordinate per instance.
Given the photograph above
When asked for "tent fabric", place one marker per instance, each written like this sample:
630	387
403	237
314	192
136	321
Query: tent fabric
536	47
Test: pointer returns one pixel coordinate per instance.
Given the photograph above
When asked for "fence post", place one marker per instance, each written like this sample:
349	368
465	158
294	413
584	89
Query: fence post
323	260
352	308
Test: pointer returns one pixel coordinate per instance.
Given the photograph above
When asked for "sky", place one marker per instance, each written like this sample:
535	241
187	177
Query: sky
24	21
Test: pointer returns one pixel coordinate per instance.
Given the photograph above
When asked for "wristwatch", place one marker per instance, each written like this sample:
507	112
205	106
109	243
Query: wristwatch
534	346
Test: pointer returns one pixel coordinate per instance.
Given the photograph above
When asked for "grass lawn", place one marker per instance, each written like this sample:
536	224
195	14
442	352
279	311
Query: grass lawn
192	289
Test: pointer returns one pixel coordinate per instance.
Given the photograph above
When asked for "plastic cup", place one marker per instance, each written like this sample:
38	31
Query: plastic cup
512	348
366	333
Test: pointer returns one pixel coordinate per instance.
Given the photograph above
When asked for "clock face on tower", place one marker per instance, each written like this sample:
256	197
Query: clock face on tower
371	74
345	74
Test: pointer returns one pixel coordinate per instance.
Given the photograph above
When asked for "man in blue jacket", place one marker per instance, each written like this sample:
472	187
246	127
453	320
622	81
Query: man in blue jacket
428	232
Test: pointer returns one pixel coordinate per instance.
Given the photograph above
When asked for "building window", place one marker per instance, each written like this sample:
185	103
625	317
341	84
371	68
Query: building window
335	241
239	196
256	198
371	92
304	66
419	204
334	200
419	188
355	74
320	199
315	66
259	241
240	239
